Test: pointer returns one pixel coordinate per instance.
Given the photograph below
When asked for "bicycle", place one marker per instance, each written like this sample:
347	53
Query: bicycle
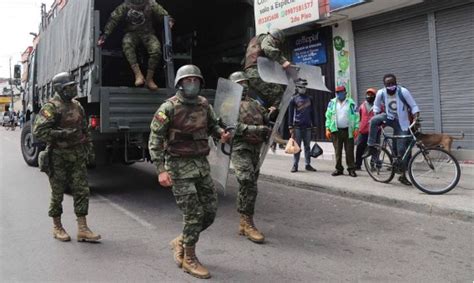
432	170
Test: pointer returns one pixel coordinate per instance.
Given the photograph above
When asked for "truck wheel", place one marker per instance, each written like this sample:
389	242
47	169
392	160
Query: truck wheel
30	152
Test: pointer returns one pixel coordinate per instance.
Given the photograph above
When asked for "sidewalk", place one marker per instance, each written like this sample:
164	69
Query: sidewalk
457	204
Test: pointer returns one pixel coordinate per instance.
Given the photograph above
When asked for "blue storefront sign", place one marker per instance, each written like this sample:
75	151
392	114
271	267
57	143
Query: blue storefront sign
342	4
309	49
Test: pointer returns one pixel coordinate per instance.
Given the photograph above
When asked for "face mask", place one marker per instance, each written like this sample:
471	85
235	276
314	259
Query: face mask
191	89
341	96
370	99
300	90
391	89
68	93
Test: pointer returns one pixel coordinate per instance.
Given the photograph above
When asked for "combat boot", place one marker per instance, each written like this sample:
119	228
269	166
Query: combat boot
59	232
139	79
149	80
192	265
84	234
178	250
247	228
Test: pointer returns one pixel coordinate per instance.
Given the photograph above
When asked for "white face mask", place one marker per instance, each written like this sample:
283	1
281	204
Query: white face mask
191	89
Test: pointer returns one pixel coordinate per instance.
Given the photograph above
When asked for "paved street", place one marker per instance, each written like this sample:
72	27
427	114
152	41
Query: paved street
311	236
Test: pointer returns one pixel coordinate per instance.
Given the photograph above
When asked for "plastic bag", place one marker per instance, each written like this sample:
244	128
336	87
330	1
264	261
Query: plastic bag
292	147
316	150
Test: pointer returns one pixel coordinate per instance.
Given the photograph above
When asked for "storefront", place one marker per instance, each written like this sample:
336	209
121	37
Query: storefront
429	47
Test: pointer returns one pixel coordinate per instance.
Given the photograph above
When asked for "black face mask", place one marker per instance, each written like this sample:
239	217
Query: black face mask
370	99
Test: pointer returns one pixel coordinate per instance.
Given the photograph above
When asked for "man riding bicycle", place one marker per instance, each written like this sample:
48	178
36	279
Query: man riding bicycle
400	107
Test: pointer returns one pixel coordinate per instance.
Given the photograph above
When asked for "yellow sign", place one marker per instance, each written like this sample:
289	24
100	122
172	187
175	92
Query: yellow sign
5	99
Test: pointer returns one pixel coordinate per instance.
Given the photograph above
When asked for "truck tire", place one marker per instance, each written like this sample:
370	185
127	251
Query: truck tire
30	152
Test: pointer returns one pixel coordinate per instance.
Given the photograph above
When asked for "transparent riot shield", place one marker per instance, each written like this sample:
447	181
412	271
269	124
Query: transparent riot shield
226	106
272	72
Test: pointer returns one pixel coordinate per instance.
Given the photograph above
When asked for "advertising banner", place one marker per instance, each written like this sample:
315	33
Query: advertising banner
309	49
342	4
284	14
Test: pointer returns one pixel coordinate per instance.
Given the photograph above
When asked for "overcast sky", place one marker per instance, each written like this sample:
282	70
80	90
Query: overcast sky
17	19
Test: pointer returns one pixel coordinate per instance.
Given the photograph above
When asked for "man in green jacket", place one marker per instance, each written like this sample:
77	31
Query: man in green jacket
342	125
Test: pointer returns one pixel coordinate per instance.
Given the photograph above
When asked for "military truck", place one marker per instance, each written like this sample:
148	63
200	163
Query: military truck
211	34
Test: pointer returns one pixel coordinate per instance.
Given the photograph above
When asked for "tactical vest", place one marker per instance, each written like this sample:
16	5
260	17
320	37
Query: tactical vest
254	50
187	134
69	116
249	113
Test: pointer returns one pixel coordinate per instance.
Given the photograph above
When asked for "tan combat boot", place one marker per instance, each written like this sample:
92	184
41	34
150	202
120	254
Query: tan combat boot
149	80
85	234
59	232
139	79
247	228
178	250
192	265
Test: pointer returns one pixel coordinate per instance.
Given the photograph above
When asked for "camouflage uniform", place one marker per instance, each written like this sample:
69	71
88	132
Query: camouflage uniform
138	30
179	146
246	152
68	155
263	45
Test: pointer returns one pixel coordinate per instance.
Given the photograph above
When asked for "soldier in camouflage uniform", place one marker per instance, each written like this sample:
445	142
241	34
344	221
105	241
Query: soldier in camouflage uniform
178	147
62	125
250	134
266	45
140	17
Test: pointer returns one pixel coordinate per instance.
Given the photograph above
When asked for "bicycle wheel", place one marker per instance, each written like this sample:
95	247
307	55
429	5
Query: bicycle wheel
434	171
380	166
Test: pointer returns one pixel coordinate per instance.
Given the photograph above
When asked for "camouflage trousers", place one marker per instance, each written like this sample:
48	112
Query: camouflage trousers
197	200
270	93
130	42
68	169
245	162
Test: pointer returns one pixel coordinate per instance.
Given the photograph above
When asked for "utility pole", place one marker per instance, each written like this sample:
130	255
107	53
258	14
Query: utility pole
11	86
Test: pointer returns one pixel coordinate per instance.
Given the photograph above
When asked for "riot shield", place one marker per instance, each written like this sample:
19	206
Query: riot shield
272	72
226	106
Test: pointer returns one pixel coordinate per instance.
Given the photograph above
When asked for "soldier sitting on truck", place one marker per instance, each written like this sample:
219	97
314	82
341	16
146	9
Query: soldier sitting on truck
139	16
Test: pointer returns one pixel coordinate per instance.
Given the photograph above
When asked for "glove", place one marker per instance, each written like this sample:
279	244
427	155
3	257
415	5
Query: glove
64	133
328	134
355	133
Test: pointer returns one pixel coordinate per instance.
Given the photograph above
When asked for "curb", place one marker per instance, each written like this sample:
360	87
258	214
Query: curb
428	209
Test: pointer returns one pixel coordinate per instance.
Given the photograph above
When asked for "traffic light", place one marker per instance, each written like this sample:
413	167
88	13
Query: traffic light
17	72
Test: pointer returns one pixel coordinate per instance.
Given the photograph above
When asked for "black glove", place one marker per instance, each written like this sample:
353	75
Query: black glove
64	133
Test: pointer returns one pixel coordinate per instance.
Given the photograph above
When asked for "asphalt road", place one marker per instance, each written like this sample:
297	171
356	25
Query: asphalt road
311	236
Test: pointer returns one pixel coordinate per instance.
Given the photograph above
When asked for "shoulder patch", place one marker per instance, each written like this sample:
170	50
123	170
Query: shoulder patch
46	113
161	117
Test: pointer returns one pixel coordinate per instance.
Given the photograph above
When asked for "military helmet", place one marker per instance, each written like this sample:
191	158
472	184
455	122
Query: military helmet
237	77
188	71
277	34
62	80
136	2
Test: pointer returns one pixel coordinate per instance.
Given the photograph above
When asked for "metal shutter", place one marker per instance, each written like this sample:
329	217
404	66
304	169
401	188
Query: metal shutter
401	48
455	41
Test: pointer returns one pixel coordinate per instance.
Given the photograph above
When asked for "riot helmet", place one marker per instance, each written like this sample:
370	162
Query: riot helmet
277	34
65	85
189	89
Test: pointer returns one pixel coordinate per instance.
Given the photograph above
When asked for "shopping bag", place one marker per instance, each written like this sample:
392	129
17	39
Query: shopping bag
292	147
316	150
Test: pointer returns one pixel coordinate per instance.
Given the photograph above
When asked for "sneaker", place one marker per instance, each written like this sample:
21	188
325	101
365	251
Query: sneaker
369	151
403	179
310	168
294	169
337	173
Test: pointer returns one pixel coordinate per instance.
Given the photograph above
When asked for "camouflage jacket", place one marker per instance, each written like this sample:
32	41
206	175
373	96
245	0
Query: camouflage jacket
58	115
250	113
178	167
152	14
269	48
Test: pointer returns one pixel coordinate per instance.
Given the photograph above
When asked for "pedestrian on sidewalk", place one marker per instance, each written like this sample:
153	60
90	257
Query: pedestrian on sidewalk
250	134
399	105
342	126
301	122
366	112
